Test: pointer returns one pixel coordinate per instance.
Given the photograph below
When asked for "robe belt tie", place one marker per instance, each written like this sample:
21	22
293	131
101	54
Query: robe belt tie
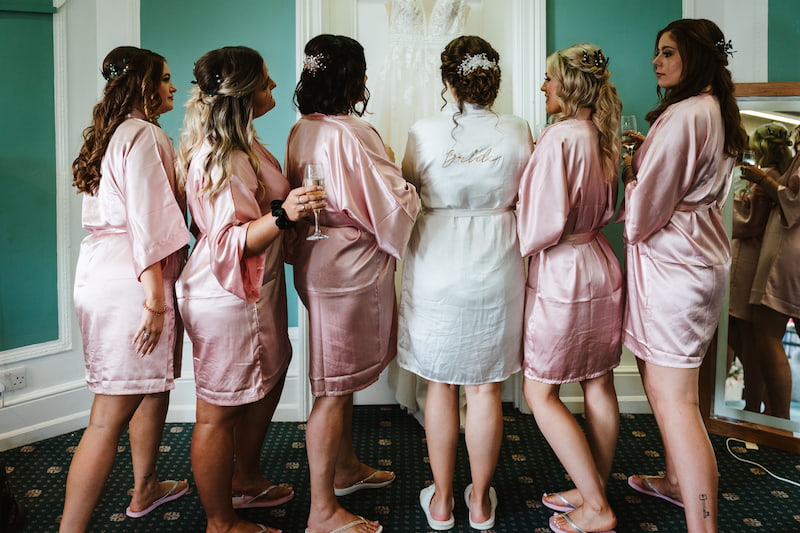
685	208
579	238
445	212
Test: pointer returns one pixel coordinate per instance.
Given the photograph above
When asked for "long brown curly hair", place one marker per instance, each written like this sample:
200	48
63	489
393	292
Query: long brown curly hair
133	77
703	51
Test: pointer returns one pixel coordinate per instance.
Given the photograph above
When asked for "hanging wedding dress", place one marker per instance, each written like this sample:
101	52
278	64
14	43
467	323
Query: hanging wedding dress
409	83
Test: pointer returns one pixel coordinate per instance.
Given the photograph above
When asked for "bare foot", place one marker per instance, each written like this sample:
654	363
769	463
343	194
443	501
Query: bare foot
340	519
586	520
242	526
261	493
660	487
572	496
364	477
155	492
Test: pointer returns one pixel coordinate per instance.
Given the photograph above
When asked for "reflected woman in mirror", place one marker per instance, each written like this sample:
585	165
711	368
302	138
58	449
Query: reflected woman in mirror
751	208
573	296
678	252
775	295
125	280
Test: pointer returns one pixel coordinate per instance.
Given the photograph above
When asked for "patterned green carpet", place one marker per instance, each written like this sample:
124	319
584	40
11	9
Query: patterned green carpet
750	500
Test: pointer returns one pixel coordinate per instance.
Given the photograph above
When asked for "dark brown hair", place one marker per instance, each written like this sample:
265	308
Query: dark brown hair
337	84
478	86
703	52
133	77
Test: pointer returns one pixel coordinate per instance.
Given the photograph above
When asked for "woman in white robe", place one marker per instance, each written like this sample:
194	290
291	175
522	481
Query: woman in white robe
461	305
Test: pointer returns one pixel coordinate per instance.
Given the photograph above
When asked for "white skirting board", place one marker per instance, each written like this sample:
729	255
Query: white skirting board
65	408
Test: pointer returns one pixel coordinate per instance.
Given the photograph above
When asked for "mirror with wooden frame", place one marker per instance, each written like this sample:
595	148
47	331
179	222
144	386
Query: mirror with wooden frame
750	382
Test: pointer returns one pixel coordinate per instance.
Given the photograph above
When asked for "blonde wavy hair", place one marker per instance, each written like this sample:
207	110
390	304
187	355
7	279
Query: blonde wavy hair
220	112
583	75
770	144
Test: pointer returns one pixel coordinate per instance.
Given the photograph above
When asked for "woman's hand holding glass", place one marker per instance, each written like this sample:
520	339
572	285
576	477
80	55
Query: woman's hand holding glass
631	138
303	201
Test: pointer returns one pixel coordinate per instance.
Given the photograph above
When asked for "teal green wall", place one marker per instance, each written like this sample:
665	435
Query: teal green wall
626	31
784	34
28	268
183	30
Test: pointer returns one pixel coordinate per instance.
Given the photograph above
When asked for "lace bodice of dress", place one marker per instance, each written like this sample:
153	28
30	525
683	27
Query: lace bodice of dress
408	19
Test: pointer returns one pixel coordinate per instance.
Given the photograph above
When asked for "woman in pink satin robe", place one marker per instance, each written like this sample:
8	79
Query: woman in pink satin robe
231	293
573	296
347	280
751	211
775	294
678	253
124	282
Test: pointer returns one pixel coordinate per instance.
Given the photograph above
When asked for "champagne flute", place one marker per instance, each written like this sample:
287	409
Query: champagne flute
314	178
628	122
749	157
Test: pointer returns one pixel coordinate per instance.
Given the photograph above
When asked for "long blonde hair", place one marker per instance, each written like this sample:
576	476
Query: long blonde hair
220	112
582	71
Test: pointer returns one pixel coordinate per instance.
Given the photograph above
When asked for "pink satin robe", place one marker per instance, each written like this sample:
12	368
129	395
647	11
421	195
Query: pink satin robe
677	249
573	295
136	219
777	280
347	281
750	215
234	307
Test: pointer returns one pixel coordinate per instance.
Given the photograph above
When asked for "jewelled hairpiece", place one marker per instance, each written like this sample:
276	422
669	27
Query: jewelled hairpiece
213	92
313	63
597	58
114	71
471	63
725	47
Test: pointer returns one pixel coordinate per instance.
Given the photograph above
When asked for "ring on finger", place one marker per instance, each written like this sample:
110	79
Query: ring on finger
145	335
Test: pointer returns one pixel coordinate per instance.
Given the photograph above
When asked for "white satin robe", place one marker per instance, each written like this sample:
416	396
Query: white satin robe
574	294
234	307
461	305
347	281
135	219
677	249
777	280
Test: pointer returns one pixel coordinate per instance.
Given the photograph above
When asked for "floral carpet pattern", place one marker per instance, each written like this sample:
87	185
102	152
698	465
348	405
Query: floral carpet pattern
388	438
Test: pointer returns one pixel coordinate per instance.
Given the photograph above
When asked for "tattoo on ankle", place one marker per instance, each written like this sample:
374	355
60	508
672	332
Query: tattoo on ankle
704	499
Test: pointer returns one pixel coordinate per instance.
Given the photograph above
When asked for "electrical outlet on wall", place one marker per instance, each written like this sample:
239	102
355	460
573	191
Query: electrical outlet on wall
14	378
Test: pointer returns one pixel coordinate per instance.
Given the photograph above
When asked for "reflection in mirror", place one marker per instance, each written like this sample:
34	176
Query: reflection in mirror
760	367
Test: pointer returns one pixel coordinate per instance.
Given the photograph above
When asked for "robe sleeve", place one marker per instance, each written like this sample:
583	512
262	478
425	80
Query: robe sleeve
375	195
664	173
410	171
155	222
789	197
232	210
543	204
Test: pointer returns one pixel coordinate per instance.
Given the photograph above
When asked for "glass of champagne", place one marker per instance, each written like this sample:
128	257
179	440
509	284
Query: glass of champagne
628	122
313	178
748	157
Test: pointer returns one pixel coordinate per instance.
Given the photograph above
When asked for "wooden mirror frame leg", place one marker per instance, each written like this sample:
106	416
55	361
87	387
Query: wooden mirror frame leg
727	427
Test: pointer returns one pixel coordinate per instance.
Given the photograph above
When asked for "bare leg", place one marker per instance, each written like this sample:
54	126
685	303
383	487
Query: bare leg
249	436
769	326
442	427
145	429
212	463
94	458
484	435
691	467
569	443
602	430
741	338
324	436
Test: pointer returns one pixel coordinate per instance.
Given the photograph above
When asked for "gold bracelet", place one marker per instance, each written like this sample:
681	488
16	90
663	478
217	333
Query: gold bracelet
157	313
